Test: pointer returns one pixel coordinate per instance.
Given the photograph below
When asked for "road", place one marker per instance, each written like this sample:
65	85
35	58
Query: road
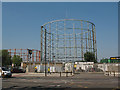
83	80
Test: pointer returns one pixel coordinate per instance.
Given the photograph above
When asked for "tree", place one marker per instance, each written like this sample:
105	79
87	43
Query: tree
90	57
104	60
0	58
82	61
6	58
16	60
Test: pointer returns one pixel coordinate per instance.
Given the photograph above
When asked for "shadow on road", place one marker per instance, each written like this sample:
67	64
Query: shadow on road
54	88
34	88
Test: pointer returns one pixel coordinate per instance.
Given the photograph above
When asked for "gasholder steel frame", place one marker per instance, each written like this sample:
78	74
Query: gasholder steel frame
67	40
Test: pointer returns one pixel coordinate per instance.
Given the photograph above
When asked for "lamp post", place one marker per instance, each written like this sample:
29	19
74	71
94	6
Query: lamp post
44	48
45	52
29	57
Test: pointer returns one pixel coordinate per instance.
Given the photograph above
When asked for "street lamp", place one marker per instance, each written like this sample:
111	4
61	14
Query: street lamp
29	53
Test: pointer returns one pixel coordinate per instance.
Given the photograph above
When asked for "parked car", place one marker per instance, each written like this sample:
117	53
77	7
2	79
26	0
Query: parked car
4	72
17	70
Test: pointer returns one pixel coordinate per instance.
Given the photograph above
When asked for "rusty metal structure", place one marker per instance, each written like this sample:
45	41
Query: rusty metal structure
24	54
67	40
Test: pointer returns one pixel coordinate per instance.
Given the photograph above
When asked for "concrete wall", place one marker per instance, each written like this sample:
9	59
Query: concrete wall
69	67
109	66
58	67
84	65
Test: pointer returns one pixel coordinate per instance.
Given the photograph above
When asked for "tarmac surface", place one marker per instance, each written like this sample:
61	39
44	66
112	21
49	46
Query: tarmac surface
30	81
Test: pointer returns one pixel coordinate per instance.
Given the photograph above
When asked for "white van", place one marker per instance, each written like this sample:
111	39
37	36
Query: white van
5	72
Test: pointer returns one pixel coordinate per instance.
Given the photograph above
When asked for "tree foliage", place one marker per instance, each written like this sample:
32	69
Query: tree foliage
6	58
89	57
16	60
104	60
0	58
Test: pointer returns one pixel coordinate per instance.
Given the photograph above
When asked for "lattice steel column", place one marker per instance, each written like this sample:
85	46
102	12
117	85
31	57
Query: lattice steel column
49	46
52	47
86	40
41	42
74	41
82	40
65	41
70	44
95	42
90	42
88	36
75	47
57	40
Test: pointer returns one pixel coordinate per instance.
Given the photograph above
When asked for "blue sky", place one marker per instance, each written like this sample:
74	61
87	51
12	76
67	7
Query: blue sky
21	23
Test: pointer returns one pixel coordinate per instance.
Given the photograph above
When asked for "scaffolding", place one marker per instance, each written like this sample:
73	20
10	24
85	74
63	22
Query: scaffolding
67	40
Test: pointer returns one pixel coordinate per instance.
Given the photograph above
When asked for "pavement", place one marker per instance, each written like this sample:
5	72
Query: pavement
30	81
41	74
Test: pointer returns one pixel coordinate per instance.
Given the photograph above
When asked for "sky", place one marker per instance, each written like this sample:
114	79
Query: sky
21	22
60	1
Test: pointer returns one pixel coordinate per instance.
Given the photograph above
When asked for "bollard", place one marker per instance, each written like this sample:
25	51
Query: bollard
66	74
114	73
71	72
60	74
110	72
